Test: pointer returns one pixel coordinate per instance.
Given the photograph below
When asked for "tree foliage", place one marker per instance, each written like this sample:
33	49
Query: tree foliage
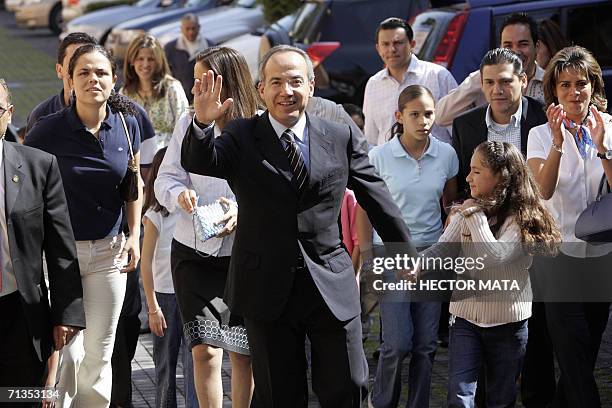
275	9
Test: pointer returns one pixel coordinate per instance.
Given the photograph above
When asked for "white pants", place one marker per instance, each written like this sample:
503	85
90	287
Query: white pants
85	374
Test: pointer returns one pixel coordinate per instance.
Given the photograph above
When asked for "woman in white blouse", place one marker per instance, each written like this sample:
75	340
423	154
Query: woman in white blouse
497	229
199	269
568	157
147	80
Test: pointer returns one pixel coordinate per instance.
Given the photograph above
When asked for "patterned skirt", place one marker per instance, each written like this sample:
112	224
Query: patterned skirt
199	283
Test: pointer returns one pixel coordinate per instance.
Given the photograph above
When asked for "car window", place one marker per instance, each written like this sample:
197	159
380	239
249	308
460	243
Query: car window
598	37
193	3
307	21
429	29
145	3
537	15
245	3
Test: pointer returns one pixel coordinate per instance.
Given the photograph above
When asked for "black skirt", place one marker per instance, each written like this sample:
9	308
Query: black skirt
199	283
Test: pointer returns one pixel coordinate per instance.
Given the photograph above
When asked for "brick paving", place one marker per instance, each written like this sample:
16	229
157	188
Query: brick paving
27	63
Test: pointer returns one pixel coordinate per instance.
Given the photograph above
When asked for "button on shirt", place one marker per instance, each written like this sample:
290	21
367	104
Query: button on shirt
91	168
510	133
382	92
577	185
416	185
8	283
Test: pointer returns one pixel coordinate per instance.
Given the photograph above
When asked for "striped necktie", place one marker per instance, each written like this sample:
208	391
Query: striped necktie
296	160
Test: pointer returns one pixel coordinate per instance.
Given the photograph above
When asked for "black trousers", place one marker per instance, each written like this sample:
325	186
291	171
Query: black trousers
126	341
339	366
19	363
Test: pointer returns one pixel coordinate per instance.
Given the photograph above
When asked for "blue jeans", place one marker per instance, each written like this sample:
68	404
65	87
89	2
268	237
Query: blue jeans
407	328
501	348
165	356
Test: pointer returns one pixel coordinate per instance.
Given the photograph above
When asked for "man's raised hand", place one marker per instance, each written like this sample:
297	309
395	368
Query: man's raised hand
207	98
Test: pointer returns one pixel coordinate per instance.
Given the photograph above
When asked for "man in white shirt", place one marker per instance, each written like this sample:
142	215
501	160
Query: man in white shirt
394	43
518	33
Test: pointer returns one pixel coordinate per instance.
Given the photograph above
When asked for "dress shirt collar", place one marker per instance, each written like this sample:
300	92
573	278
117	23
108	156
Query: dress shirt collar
539	74
415	67
399	151
298	129
515	120
75	122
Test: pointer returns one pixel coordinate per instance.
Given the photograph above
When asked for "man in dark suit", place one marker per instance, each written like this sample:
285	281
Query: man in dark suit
33	219
289	274
507	117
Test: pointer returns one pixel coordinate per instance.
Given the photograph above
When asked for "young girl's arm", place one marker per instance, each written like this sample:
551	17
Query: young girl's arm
157	322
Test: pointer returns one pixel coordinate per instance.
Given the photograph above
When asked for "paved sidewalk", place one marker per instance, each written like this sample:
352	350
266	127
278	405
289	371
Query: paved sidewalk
143	375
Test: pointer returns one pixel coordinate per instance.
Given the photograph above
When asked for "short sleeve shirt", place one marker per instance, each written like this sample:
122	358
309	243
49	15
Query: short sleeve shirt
91	168
416	185
162	274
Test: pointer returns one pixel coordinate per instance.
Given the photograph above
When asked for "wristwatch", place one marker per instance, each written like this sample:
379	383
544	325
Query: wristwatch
607	155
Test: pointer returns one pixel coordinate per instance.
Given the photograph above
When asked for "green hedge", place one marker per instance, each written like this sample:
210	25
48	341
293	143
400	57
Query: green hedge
275	9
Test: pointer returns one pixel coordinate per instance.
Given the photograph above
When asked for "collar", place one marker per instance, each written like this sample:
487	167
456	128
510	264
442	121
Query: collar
515	120
75	122
61	98
198	45
298	129
415	67
539	74
398	150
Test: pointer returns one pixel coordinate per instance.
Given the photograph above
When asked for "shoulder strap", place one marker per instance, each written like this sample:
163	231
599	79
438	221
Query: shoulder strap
127	135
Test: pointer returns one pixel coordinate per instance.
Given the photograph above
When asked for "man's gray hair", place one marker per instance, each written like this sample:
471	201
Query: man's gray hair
190	17
285	48
4	86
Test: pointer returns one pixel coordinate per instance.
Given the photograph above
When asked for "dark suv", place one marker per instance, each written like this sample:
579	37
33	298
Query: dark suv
459	36
339	37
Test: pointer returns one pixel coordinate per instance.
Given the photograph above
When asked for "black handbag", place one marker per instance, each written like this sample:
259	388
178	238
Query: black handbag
129	189
594	224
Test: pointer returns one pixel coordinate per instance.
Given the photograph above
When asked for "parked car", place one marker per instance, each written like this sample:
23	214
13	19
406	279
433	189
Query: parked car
459	36
100	23
39	14
338	35
72	9
235	19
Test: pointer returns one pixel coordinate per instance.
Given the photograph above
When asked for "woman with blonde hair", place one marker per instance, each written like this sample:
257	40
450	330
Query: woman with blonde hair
148	81
569	156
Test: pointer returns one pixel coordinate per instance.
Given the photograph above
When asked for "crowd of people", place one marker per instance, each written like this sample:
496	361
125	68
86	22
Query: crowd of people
497	168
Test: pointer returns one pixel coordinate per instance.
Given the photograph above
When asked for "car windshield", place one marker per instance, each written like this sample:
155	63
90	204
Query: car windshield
307	20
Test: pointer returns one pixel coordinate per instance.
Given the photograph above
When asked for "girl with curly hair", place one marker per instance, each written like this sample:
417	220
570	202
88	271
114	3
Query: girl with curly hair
499	228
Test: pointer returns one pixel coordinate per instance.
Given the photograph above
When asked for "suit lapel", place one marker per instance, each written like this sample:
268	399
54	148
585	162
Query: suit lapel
13	177
524	126
270	147
320	150
479	136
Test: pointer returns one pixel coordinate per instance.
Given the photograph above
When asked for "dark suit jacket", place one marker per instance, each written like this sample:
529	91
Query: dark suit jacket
37	220
470	129
273	218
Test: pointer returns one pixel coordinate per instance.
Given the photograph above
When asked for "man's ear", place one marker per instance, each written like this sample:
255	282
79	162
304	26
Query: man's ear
58	71
311	85
114	80
523	78
412	44
260	88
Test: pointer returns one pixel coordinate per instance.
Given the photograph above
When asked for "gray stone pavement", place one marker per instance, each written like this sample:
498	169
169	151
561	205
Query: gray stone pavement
143	375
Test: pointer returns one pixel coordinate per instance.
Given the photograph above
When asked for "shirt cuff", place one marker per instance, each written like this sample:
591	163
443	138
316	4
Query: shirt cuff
202	126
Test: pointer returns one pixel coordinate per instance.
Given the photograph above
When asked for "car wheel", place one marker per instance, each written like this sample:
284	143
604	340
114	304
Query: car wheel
55	19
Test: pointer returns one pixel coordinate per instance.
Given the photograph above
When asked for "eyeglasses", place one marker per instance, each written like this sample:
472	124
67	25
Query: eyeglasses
4	110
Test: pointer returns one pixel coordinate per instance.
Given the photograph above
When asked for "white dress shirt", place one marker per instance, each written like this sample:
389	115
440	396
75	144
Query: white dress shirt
9	284
576	187
172	180
382	92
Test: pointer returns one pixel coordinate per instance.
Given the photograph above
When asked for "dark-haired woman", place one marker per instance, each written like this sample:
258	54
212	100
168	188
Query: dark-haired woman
92	151
419	170
568	157
495	231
